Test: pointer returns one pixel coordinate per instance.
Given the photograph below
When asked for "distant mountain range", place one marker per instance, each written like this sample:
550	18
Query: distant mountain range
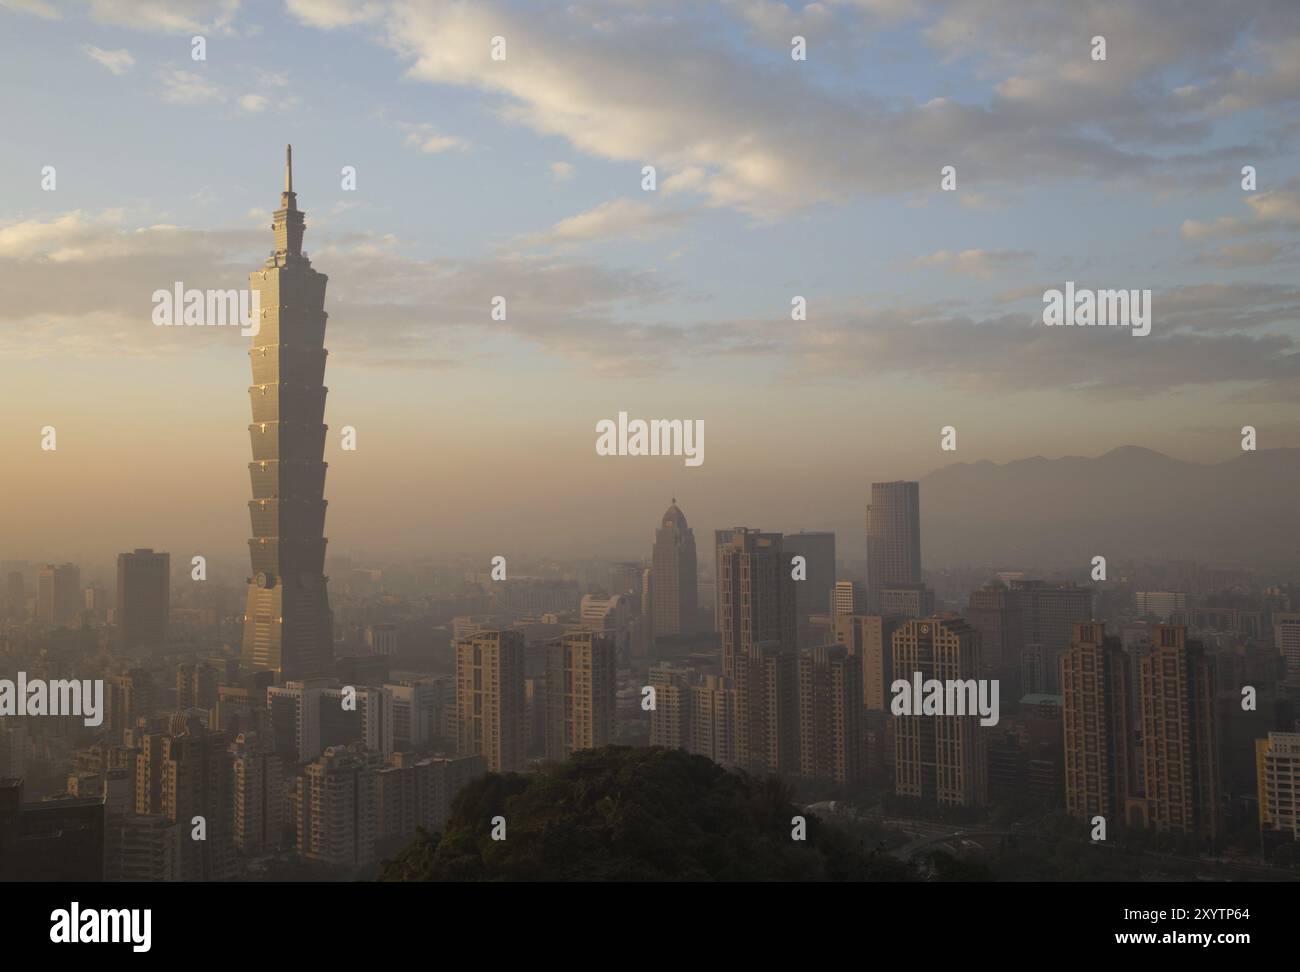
1130	502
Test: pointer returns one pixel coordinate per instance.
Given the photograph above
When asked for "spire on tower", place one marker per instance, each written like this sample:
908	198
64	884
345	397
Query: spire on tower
288	168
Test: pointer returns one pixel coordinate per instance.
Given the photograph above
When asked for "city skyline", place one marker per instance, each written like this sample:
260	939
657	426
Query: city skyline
990	571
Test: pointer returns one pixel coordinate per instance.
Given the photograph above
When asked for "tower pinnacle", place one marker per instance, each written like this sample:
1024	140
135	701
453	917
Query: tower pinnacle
287	221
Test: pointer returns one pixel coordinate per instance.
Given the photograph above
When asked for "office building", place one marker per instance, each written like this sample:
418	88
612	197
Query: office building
893	537
1048	614
755	594
143	599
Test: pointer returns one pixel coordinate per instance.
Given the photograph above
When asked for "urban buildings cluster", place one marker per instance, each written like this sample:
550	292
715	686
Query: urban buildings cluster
345	706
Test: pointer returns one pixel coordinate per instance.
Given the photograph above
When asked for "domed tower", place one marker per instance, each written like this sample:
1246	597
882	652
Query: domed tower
674	606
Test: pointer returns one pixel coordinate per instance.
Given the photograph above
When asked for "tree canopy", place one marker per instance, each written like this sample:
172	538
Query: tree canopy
634	814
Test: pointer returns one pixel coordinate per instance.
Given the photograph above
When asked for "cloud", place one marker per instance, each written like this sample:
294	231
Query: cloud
253	102
643	85
119	62
1277	207
168	16
1005	355
36	7
560	171
1223	226
1245	254
90	276
80	284
189	88
614	218
429	140
332	14
975	263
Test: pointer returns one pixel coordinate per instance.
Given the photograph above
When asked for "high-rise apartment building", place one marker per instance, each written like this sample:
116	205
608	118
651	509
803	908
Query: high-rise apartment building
831	731
1286	639
417	709
939	758
143	599
187	774
1095	707
612	617
580	693
870	638
893	537
674	595
258	796
670	724
490	699
336	807
766	714
288	627
295	721
129	697
846	599
1179	735
1277	768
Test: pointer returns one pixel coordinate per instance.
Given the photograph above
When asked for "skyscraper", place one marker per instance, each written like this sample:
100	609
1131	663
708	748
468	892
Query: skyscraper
830	715
755	594
893	537
490	698
58	593
1179	735
1286	639
580	693
673	592
766	716
1094	715
996	613
287	623
870	638
1048	614
15	596
258	796
939	758
143	598
813	593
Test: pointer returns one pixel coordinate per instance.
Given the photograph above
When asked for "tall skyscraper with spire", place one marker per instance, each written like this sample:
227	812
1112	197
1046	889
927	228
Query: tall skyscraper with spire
287	623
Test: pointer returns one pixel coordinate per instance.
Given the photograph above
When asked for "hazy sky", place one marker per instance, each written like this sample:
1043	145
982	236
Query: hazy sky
522	178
